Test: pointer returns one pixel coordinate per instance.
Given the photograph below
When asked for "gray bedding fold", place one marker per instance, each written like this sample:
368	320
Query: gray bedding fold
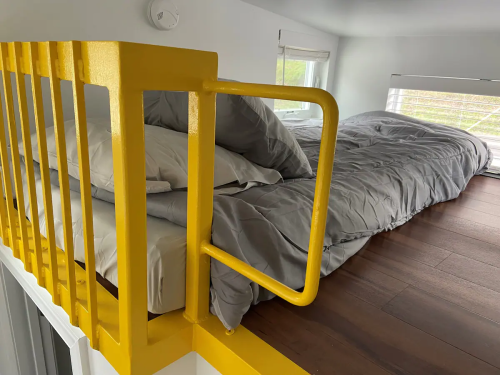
388	167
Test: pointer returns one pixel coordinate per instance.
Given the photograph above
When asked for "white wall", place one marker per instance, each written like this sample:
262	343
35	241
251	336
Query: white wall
365	65
244	36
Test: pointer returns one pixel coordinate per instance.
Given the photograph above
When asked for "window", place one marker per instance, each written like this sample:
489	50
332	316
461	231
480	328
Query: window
299	67
297	73
477	114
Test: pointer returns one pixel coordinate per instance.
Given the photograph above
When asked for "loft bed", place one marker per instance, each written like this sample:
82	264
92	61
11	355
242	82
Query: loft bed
119	329
379	183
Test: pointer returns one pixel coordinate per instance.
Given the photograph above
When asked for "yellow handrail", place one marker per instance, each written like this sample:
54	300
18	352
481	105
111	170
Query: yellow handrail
200	201
322	190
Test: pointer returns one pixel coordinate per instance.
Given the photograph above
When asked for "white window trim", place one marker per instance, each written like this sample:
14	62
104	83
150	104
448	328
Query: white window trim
481	120
312	58
295	53
474	86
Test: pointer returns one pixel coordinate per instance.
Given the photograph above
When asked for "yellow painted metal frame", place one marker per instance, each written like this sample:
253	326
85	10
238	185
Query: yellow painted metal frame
120	328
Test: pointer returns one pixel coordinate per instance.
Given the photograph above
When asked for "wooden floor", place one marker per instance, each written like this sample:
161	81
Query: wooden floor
422	299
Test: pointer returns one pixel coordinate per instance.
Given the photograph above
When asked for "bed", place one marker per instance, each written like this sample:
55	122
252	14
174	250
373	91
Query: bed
388	168
118	327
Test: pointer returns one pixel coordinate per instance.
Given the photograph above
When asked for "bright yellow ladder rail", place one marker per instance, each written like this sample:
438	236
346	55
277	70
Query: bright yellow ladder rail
200	200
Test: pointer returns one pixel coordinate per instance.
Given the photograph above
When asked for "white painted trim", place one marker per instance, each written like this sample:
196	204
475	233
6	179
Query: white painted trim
84	360
56	315
8	362
19	324
80	362
474	86
48	346
36	336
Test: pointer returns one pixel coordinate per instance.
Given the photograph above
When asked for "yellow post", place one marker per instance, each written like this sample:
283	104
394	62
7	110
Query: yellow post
129	165
200	202
86	195
62	167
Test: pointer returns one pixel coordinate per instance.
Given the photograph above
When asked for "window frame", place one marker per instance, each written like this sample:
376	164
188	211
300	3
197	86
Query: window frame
475	112
313	69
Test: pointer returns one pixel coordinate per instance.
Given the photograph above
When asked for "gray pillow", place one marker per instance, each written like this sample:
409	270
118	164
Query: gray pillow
244	124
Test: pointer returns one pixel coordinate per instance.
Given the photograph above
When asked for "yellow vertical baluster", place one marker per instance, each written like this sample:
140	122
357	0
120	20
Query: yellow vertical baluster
62	164
3	216
86	195
7	183
36	87
28	161
16	166
127	121
200	202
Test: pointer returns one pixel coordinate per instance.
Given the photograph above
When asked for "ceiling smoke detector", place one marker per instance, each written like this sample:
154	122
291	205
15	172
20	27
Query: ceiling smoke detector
163	14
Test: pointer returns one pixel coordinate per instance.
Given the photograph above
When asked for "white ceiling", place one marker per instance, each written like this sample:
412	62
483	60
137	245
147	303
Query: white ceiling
391	17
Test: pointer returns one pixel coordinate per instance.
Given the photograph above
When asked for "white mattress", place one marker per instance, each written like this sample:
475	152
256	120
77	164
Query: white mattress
166	247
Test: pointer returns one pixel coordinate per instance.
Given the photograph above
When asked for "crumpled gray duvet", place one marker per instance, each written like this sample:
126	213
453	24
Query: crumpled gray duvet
387	168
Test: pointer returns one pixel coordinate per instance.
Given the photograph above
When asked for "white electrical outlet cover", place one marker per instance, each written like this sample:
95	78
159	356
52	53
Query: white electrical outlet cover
163	14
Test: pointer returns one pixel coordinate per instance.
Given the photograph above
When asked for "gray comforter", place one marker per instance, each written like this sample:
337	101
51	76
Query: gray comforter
388	167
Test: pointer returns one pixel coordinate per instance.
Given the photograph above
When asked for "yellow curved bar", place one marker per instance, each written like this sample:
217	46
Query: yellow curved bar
322	190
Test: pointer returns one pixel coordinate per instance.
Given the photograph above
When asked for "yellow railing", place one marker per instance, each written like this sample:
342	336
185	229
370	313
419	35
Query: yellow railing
200	201
120	328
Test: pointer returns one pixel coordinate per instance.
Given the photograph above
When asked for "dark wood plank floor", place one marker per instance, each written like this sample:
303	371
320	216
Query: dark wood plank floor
422	299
